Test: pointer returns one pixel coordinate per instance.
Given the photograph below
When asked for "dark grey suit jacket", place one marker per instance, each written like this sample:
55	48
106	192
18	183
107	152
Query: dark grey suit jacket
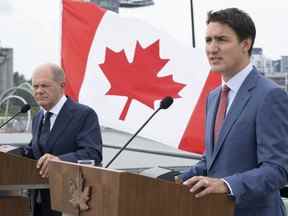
252	150
75	135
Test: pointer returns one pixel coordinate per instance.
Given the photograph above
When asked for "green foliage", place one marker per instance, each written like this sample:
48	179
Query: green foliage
18	78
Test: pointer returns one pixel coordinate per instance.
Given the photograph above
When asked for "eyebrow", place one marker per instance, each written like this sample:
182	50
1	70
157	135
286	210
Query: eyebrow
217	38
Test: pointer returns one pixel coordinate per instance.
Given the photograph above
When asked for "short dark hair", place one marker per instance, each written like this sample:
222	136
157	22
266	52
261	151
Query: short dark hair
238	20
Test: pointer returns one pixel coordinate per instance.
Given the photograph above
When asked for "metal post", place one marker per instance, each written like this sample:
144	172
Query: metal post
192	24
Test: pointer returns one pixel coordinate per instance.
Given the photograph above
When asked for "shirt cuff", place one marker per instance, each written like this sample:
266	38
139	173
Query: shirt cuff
229	187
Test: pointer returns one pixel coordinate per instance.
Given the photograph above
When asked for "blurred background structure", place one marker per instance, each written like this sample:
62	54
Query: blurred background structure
15	91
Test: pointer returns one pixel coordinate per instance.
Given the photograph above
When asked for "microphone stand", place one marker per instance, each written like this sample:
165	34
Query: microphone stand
115	156
6	122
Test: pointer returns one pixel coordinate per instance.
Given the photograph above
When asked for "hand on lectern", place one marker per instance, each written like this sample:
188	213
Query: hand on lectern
202	186
42	164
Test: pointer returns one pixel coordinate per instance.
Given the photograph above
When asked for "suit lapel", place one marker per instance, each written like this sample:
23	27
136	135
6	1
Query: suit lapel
211	114
238	105
38	121
62	120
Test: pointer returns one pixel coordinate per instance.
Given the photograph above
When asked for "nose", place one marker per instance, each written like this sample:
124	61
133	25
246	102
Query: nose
212	47
38	90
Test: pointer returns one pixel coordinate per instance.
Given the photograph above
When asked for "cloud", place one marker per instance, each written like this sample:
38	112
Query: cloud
5	7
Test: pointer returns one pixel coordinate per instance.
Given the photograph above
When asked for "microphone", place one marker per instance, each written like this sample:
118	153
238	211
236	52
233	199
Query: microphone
164	104
23	109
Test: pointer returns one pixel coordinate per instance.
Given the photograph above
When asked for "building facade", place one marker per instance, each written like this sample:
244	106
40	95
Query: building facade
6	68
280	78
276	70
284	64
261	62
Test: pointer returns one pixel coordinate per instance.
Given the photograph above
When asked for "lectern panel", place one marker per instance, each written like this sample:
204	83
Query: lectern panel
86	191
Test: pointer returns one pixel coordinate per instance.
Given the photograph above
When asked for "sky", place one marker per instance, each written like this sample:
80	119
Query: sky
32	28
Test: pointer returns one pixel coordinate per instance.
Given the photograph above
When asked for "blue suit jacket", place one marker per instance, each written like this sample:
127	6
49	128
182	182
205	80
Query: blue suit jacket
75	135
252	149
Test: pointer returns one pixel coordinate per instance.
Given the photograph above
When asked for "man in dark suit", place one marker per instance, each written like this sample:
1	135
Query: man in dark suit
246	131
61	130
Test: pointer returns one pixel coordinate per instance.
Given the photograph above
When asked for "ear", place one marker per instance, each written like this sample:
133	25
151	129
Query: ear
62	84
246	44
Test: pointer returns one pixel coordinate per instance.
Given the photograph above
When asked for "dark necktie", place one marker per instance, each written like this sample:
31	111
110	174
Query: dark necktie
45	130
222	106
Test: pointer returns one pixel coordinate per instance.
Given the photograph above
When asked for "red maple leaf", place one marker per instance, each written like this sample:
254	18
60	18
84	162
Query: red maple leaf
138	80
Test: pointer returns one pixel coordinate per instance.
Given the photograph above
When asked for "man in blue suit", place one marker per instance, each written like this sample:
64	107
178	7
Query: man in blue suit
61	130
246	151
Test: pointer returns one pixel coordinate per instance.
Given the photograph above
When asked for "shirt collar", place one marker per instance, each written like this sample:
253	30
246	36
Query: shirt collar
236	81
58	106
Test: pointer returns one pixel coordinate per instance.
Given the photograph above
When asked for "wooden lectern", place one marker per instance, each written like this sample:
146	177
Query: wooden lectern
86	190
17	173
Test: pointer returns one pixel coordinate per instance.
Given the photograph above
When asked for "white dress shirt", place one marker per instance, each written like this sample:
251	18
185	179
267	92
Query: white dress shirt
55	110
235	83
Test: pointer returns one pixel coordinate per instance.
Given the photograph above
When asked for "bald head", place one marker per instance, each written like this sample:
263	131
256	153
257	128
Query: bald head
56	71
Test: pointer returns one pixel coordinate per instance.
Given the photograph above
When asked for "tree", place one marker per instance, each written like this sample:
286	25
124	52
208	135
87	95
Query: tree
18	78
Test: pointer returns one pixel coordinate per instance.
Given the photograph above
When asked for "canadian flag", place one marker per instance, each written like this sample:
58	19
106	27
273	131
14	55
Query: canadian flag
123	67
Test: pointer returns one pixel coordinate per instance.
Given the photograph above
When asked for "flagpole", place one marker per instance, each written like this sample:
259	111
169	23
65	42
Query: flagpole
192	24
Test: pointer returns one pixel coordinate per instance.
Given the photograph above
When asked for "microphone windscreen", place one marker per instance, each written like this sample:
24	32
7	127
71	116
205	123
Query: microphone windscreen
25	108
166	102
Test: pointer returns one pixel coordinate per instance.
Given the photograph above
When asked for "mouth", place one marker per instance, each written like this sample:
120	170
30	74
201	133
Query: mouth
215	60
41	99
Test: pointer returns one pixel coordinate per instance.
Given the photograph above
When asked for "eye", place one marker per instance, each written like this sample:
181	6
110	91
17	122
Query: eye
208	39
221	39
44	86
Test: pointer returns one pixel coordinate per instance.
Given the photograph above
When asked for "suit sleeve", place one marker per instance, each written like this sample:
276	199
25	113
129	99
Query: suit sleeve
26	151
88	140
199	169
272	151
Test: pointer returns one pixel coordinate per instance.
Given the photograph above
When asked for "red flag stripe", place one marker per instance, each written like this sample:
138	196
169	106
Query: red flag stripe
193	137
78	30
